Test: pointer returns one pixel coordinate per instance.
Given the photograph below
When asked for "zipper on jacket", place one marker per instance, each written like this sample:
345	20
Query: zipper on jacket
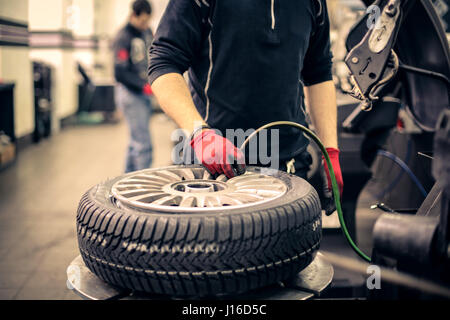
272	12
271	35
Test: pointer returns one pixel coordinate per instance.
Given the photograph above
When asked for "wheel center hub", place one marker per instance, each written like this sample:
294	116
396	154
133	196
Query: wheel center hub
199	186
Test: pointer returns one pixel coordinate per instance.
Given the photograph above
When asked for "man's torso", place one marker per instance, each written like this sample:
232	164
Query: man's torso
248	72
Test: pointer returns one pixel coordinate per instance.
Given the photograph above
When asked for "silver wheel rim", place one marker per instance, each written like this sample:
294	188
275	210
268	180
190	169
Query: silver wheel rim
180	189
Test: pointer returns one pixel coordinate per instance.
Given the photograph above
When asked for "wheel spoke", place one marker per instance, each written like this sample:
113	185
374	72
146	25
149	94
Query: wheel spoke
128	186
155	178
207	175
171	176
187	174
228	201
188	202
212	201
131	192
141	181
201	202
149	197
222	178
169	200
246	197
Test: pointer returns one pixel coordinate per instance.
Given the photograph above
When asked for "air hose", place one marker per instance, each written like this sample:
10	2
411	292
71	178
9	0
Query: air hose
335	187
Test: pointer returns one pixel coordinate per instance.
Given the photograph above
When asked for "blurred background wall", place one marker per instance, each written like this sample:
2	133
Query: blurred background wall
60	33
15	66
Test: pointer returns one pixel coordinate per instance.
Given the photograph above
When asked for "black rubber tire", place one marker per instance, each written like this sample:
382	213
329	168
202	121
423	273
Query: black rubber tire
201	254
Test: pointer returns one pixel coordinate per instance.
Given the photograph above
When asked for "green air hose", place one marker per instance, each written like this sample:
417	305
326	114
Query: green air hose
335	188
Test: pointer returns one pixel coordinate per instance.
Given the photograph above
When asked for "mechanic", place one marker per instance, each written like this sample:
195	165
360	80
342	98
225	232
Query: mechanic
249	63
132	92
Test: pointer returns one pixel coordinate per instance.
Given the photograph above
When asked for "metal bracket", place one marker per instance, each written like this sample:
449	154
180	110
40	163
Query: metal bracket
372	62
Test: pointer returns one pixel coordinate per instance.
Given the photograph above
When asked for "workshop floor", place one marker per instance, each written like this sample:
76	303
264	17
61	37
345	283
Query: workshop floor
39	195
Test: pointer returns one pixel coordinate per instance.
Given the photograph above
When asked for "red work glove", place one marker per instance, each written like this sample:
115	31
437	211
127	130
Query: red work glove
147	90
334	158
217	154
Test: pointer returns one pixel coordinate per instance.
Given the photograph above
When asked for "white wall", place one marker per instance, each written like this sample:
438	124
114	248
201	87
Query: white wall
48	15
121	14
55	15
158	9
15	66
83	12
83	26
14	9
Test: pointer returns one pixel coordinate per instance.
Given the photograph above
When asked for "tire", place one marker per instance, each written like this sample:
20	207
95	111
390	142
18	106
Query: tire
200	254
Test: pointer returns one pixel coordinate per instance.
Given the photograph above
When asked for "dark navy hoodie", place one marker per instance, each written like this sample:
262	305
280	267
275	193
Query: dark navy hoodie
131	57
247	59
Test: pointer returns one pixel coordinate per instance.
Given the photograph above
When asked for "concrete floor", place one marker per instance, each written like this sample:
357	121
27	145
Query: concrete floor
39	195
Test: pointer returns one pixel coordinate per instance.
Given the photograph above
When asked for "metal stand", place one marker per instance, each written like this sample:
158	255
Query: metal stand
310	283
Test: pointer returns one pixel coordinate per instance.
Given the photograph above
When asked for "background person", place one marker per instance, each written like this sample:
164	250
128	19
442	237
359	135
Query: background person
133	91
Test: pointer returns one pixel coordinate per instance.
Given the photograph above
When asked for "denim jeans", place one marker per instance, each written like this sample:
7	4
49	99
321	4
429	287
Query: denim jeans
137	111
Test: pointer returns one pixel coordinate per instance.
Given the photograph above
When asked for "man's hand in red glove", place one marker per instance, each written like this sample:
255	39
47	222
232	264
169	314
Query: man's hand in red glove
334	157
147	90
217	154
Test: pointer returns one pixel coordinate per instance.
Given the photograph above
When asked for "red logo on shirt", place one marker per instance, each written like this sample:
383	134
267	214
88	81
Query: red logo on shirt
123	55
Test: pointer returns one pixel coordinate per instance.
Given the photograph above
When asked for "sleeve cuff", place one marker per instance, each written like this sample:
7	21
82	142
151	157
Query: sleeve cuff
318	75
156	73
316	80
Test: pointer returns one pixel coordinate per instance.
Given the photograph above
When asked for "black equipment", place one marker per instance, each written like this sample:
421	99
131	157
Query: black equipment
94	97
396	62
42	101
